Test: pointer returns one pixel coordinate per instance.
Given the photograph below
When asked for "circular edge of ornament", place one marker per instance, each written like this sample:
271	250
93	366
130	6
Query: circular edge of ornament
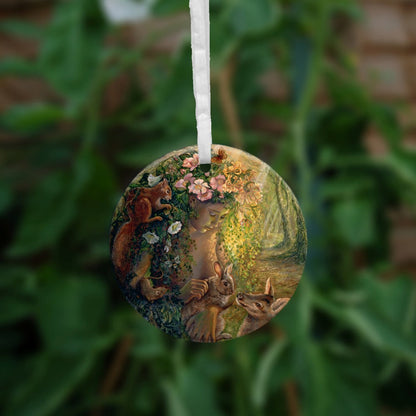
208	256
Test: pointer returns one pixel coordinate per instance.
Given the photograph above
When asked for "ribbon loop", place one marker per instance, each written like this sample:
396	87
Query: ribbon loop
201	76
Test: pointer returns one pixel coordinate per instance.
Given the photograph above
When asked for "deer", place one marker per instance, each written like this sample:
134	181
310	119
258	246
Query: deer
260	308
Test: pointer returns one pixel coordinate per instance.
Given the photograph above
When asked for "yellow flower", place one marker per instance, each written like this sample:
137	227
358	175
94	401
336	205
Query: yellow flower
234	169
250	195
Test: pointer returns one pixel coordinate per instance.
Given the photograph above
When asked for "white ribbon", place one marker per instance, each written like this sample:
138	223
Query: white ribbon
201	76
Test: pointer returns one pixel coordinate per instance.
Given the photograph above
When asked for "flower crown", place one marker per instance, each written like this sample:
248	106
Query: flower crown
224	179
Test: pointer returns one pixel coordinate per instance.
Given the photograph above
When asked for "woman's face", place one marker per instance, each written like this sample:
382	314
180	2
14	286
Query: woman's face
209	217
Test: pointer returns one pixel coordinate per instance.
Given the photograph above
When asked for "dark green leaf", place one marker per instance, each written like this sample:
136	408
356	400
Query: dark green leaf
48	212
71	312
22	28
52	380
354	221
18	67
31	118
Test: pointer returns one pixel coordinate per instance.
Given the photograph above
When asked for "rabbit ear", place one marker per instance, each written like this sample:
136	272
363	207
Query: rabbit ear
217	269
279	304
269	288
229	269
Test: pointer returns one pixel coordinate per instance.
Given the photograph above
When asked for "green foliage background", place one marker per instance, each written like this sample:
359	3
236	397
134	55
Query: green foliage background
71	344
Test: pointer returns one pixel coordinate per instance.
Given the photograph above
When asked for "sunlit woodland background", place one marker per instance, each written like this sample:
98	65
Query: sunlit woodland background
322	90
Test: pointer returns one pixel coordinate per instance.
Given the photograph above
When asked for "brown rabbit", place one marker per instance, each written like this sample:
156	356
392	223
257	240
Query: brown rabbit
139	209
202	317
261	308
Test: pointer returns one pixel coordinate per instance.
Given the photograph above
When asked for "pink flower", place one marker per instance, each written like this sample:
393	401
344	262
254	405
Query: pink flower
181	184
206	196
199	187
189	178
191	162
218	183
183	171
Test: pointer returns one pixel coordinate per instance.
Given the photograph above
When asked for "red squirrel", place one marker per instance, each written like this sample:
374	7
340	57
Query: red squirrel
139	209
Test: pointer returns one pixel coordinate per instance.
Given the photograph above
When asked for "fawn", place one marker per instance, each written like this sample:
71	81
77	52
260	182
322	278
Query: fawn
260	307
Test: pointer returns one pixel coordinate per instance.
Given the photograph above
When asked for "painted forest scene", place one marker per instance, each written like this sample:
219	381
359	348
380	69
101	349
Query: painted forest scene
208	256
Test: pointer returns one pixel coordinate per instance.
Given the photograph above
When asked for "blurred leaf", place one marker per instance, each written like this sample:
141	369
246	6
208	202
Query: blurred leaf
17	279
175	405
345	187
144	153
250	17
381	334
31	118
48	212
71	313
393	299
152	345
6	197
177	88
403	164
71	52
13	309
96	198
327	382
223	41
22	28
377	329
18	67
197	391
162	7
349	7
354	221
253	61
387	123
264	370
52	380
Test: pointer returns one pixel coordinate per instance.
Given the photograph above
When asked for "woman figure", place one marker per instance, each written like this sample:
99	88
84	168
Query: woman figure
204	228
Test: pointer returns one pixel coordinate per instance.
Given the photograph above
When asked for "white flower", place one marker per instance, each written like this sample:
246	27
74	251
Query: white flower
177	259
175	228
151	238
168	246
153	180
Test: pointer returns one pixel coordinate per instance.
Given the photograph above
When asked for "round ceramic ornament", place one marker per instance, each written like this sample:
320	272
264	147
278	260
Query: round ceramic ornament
208	256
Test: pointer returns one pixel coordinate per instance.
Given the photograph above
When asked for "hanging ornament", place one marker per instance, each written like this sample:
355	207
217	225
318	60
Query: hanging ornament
208	243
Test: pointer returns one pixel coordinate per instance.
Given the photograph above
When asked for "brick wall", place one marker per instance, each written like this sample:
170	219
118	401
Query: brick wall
386	58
